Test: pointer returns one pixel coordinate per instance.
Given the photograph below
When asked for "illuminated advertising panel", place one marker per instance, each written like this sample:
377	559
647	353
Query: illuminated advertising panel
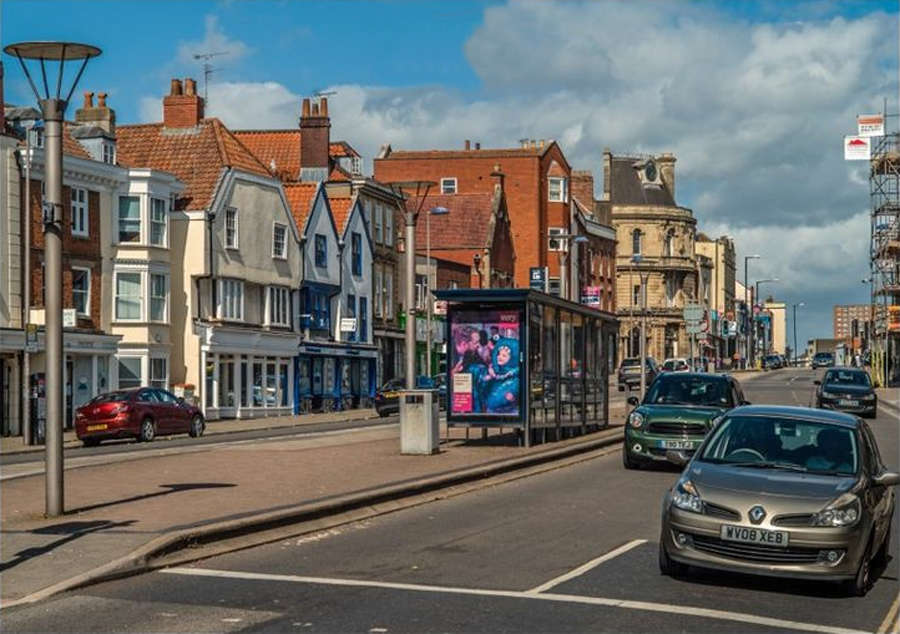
484	363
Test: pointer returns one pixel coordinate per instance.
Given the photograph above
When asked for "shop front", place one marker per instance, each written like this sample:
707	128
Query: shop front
334	377
527	360
246	373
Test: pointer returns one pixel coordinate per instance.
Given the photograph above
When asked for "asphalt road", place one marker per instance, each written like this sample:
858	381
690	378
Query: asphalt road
570	550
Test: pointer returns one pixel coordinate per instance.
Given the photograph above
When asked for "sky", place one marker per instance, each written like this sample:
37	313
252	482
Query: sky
753	97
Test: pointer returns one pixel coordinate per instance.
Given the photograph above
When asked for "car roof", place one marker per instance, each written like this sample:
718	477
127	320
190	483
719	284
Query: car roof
804	413
680	376
846	368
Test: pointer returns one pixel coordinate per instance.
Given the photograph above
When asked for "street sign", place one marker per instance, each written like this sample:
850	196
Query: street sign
31	338
694	312
538	278
440	307
693	327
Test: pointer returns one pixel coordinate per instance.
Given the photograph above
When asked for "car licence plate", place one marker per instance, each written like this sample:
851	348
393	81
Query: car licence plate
848	402
749	535
96	427
676	444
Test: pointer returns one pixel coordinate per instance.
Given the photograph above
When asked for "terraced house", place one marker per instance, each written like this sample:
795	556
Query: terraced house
235	261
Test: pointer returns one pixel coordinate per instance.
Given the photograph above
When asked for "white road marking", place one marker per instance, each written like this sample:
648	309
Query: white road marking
664	608
588	566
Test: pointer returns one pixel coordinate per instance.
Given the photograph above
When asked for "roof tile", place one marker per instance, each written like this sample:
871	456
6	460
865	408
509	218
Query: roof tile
465	227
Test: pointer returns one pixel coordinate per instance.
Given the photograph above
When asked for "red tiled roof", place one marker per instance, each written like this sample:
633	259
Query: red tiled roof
300	197
338	173
73	147
195	155
528	152
280	148
340	209
341	149
465	227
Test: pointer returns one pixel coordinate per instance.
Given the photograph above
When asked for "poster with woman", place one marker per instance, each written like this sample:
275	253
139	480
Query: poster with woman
484	362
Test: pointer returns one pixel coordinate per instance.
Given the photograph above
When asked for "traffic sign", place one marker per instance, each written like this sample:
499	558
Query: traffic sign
693	327
694	312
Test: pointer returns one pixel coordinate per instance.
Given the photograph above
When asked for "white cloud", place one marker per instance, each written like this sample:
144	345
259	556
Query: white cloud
214	42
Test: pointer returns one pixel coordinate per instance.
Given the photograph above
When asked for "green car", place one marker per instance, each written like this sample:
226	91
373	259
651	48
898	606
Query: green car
678	410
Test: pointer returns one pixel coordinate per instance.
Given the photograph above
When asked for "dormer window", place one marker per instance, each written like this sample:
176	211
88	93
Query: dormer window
448	185
109	153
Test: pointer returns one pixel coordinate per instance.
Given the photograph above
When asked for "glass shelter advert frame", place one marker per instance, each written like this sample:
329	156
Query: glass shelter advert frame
485	364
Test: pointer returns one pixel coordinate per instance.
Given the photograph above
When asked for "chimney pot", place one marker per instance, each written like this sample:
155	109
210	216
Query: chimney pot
467	144
190	87
478	145
305	108
101	99
541	145
176	87
88	99
324	107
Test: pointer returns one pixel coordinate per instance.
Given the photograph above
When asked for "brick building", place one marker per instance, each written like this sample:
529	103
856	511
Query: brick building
843	316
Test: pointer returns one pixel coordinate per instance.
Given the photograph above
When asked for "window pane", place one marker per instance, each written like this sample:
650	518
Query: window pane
81	287
129	372
158	372
231	228
158	284
128	296
129	219
158	221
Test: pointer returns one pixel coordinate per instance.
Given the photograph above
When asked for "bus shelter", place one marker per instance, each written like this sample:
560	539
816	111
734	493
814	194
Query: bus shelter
527	360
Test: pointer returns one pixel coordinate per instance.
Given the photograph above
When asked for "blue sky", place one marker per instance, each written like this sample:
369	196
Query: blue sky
753	97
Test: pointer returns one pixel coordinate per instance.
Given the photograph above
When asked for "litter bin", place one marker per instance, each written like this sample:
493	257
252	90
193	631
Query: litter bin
419	422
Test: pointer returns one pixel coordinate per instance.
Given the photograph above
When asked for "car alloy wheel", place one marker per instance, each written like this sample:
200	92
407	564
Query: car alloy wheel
197	426
148	430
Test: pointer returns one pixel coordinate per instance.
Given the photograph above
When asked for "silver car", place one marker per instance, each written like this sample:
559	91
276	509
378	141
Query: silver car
782	491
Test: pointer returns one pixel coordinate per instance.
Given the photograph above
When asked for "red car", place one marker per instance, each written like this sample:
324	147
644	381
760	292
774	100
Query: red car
141	413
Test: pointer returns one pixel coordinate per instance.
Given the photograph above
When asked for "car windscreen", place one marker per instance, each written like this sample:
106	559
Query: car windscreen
111	397
630	363
690	390
787	443
847	377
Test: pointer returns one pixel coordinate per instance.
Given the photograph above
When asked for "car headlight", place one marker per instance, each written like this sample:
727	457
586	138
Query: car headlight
867	397
829	395
685	497
636	419
844	511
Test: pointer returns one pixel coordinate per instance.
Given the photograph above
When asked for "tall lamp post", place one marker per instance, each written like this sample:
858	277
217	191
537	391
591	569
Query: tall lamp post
402	190
795	329
751	326
53	109
636	261
570	239
756	299
434	211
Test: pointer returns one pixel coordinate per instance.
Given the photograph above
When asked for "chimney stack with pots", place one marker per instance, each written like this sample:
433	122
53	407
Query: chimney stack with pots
182	107
607	177
99	116
315	139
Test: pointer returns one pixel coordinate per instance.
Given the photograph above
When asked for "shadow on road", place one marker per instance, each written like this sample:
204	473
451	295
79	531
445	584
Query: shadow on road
71	530
169	489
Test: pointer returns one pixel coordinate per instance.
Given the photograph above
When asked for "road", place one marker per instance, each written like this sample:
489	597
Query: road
570	550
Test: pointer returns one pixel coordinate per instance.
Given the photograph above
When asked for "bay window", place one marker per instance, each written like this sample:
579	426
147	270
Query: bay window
129	219
159	293
231	299
128	296
158	222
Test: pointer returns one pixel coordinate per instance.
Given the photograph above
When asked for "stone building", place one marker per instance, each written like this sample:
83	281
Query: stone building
655	251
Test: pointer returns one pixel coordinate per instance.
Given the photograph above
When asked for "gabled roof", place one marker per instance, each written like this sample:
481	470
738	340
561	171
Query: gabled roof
300	196
465	227
341	149
73	147
341	208
338	173
280	151
195	155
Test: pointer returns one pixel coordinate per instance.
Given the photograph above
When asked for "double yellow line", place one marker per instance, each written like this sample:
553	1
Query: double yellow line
891	622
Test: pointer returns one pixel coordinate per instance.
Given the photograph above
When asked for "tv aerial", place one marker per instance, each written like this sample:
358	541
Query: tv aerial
207	69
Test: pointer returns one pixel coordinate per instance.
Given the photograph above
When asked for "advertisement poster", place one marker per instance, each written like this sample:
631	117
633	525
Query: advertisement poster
485	362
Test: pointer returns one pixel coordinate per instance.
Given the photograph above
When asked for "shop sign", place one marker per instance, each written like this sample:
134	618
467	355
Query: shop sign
857	148
590	296
31	338
69	318
348	324
870	125
538	278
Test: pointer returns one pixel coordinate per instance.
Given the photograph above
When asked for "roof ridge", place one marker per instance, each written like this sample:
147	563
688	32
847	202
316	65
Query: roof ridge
220	131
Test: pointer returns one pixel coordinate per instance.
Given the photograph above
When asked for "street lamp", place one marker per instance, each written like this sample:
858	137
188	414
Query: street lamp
636	260
53	109
795	329
756	299
564	260
751	326
434	211
410	216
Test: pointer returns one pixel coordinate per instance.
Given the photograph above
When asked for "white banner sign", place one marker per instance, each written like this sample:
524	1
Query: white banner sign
348	324
69	318
870	125
857	148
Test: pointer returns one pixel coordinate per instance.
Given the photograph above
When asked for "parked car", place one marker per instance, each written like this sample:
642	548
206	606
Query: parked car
771	362
630	373
141	413
785	492
675	365
677	412
823	360
848	390
387	398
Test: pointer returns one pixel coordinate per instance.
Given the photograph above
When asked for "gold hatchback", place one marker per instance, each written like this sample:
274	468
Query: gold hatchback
782	491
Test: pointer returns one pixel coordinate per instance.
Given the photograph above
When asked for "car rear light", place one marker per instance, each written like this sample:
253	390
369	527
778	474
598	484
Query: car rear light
121	409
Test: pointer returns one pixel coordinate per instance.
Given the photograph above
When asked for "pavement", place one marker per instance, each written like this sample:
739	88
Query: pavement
130	513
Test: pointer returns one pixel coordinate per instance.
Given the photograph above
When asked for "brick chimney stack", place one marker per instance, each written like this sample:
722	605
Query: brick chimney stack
607	176
583	187
101	115
182	108
315	138
498	176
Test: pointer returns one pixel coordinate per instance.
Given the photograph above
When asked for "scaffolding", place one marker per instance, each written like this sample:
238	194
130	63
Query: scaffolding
884	184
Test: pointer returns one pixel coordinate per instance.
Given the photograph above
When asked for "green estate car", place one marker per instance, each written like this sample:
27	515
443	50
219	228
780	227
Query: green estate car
677	412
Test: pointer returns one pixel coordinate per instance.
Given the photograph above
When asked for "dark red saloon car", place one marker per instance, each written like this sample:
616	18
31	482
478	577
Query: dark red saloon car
141	413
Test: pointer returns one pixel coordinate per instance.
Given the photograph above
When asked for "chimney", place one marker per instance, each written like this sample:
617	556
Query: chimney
182	109
667	171
583	188
467	144
607	177
99	116
541	144
478	145
315	137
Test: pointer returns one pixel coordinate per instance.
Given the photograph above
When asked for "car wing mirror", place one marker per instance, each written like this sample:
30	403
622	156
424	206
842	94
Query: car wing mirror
817	382
887	479
180	399
633	400
677	457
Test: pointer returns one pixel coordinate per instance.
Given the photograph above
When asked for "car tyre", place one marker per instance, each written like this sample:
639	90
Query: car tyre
148	430
197	426
668	566
628	462
862	582
90	442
